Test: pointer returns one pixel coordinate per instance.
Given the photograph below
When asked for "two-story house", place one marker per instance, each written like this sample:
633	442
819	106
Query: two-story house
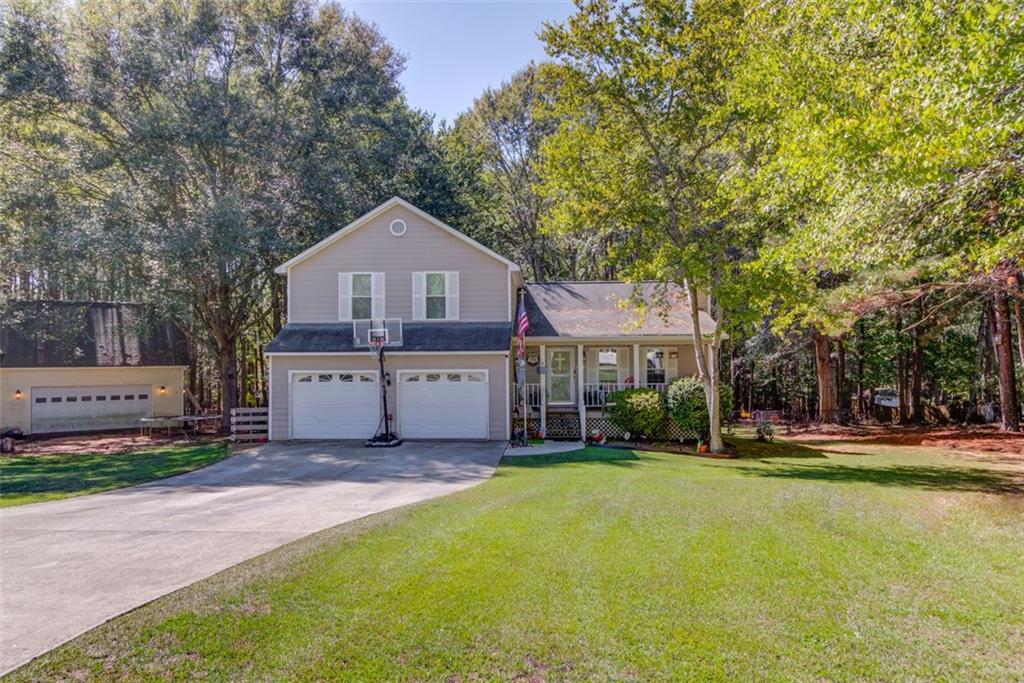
453	376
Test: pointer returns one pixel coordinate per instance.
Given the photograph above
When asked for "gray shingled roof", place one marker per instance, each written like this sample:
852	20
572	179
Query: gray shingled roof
37	334
417	336
592	309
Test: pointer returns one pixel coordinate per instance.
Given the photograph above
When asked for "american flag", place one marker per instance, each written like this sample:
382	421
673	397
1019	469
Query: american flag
522	325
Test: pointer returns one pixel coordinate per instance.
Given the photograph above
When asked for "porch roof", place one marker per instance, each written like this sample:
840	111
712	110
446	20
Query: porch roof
600	309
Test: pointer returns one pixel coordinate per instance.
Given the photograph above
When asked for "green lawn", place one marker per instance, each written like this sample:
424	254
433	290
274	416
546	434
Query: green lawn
35	478
840	562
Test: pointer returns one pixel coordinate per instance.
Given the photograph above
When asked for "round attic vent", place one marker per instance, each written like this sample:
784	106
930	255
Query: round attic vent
397	227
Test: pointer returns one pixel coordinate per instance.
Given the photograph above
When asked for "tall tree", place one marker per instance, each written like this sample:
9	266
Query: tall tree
641	150
497	144
217	137
891	147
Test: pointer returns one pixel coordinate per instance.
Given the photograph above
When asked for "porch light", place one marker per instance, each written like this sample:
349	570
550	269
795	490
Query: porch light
163	390
17	394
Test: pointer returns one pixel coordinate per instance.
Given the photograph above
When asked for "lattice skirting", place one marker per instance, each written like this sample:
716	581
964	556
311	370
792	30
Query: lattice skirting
671	431
560	425
567	426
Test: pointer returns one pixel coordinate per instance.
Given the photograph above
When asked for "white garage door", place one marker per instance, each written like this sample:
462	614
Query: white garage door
335	405
443	404
79	409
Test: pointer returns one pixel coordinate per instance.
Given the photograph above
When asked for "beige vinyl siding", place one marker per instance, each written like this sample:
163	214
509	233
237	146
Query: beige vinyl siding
495	364
18	413
483	280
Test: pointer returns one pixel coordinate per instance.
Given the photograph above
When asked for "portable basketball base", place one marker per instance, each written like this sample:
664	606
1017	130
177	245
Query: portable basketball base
376	334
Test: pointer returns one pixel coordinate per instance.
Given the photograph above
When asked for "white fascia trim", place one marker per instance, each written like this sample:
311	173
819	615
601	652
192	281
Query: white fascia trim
365	218
389	351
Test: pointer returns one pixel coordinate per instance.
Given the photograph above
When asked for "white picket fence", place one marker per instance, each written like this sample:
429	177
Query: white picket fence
249	424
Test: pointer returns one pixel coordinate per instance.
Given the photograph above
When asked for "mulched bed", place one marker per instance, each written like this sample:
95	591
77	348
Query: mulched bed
109	443
979	439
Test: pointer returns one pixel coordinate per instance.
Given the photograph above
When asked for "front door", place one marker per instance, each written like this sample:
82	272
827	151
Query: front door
561	388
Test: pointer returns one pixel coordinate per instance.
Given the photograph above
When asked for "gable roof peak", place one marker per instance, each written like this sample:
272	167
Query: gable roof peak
373	213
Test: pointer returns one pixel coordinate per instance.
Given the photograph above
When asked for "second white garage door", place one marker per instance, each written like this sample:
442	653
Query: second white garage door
335	405
443	404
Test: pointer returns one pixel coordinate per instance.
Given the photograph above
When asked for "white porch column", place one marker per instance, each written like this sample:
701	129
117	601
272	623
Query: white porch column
542	371
636	366
580	372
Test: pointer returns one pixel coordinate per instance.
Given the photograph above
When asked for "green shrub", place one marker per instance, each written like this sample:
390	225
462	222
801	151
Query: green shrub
688	406
640	412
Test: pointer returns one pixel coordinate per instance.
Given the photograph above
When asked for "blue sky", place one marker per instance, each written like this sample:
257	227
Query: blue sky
454	50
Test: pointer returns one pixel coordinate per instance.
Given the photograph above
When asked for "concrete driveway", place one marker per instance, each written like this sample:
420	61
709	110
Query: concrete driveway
67	566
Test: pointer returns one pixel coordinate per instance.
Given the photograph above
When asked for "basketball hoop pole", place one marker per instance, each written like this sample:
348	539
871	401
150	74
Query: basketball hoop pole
385	438
384	393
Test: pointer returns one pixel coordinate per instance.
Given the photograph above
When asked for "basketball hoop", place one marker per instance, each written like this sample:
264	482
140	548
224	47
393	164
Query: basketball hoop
376	347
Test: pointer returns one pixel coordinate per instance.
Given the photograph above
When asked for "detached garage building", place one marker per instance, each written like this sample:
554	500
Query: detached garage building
78	367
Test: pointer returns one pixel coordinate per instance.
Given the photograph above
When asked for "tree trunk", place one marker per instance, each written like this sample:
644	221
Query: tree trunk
226	365
1003	345
276	304
916	372
707	369
901	387
1020	328
842	396
827	412
861	408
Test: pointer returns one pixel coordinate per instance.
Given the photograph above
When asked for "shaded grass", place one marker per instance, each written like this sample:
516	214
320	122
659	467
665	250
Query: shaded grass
37	478
614	565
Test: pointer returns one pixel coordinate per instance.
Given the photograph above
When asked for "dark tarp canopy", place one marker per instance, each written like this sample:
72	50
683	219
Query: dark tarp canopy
37	334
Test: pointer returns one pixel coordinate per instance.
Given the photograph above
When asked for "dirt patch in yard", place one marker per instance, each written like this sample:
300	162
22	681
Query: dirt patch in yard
111	443
970	440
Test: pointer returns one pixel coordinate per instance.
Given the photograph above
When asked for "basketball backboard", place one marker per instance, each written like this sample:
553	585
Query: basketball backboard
366	331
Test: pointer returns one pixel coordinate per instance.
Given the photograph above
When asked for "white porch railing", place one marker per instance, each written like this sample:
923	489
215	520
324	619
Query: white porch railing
533	395
594	395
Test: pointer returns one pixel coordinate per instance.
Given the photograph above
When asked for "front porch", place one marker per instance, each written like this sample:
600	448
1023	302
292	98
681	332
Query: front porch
567	385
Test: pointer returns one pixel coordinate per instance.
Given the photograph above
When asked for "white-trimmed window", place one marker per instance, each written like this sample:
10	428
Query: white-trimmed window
360	296
435	295
608	366
655	366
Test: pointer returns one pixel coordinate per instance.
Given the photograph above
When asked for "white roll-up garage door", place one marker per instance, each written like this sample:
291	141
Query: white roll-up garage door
443	404
335	405
79	409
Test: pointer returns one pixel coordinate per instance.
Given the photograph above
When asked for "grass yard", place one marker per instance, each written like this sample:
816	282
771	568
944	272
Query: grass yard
807	562
36	478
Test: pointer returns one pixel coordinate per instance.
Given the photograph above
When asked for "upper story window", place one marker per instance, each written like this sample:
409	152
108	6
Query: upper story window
435	296
360	296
